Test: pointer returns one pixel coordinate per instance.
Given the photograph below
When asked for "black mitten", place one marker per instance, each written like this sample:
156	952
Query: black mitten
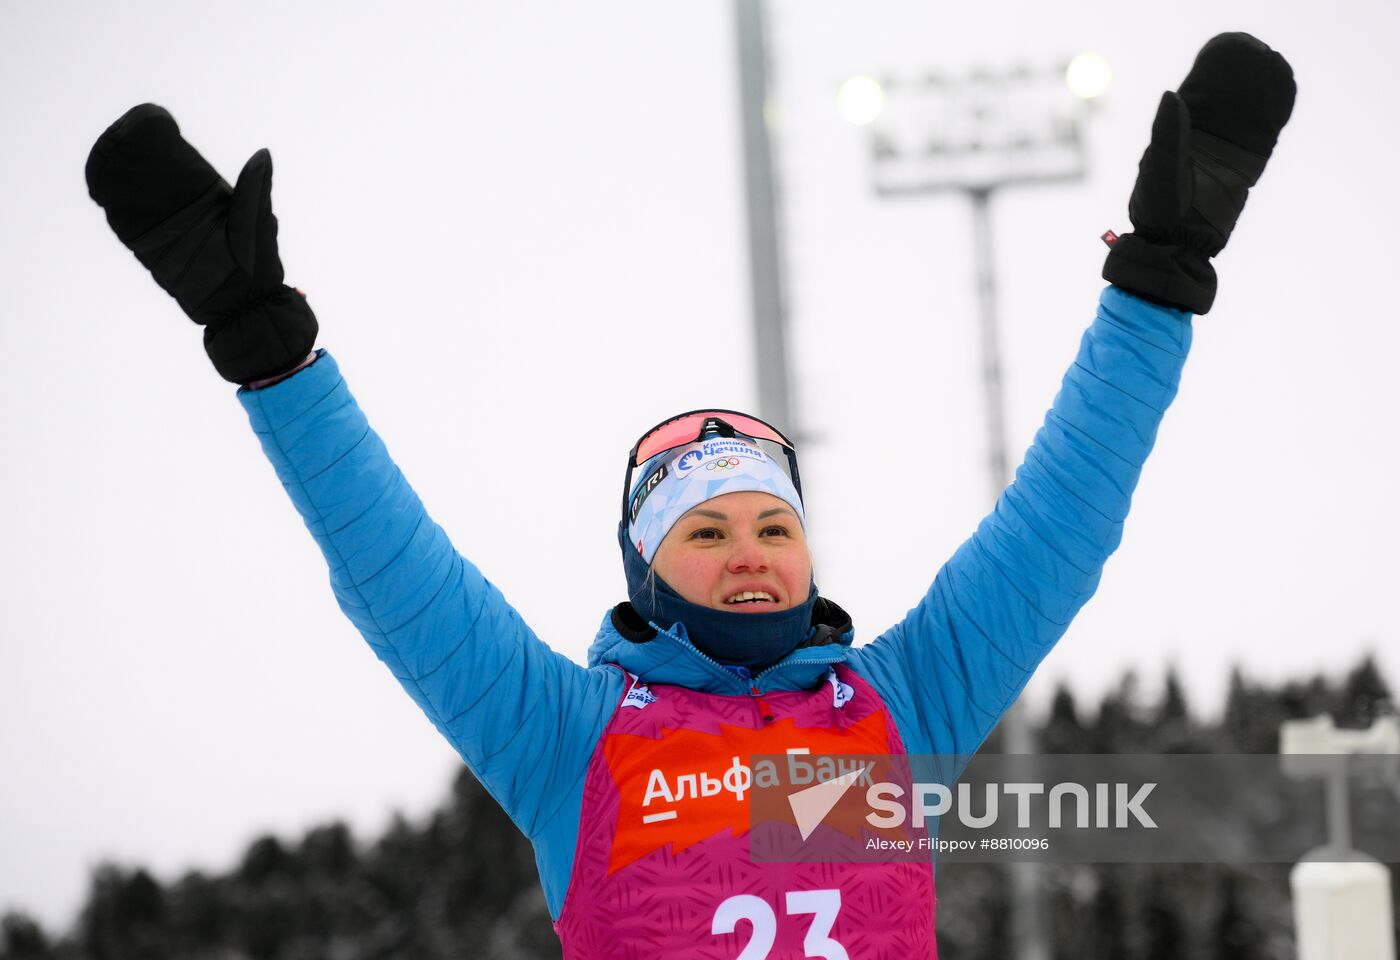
211	248
1210	142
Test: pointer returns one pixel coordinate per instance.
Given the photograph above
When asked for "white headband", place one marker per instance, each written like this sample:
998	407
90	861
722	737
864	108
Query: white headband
681	479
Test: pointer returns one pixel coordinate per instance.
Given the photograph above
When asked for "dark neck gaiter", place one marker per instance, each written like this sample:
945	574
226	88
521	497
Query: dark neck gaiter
751	640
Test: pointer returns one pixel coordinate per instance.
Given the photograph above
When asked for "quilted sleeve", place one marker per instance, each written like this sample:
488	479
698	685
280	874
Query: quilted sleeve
524	717
960	658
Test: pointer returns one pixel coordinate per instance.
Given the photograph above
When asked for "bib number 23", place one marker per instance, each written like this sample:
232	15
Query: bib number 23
823	905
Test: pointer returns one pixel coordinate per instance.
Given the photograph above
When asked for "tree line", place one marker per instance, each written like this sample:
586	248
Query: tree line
462	882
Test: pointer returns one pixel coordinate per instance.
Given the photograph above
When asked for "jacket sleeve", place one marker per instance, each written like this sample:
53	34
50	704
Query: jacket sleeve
960	658
523	717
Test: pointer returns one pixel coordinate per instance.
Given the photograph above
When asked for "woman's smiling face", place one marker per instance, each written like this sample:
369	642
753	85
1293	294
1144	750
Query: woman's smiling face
742	552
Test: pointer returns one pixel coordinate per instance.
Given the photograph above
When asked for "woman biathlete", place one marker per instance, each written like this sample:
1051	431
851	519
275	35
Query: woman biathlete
632	776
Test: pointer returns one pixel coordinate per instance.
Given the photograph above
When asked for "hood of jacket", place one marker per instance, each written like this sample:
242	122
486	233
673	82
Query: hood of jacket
666	655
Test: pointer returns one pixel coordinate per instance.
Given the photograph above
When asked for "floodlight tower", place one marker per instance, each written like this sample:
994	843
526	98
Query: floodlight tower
765	240
976	134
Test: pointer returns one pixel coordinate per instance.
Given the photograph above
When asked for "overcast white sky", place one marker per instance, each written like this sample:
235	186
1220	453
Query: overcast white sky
521	226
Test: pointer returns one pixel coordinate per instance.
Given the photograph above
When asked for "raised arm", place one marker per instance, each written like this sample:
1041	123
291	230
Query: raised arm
523	717
958	660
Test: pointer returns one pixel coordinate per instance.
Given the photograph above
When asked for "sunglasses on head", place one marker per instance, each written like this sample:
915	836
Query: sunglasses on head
689	427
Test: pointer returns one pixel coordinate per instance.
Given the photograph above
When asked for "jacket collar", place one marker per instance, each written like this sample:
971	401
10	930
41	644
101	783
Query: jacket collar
666	655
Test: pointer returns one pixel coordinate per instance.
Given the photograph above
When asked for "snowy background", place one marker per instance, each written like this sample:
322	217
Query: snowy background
522	228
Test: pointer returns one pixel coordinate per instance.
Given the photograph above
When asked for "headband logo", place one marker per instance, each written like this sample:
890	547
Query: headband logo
727	448
689	461
646	490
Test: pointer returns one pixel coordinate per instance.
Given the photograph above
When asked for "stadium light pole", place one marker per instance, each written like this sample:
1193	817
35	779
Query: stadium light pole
976	135
765	256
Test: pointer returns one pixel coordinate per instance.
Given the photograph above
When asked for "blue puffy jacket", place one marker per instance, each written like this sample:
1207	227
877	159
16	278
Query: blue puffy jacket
526	719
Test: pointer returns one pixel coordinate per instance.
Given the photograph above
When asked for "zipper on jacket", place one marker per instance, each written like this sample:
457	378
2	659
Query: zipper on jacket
715	666
764	714
827	658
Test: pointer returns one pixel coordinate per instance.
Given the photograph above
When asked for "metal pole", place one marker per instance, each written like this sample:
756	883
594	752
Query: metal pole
1028	939
765	261
993	402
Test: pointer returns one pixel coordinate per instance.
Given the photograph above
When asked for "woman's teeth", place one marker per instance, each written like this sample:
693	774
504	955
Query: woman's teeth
748	596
